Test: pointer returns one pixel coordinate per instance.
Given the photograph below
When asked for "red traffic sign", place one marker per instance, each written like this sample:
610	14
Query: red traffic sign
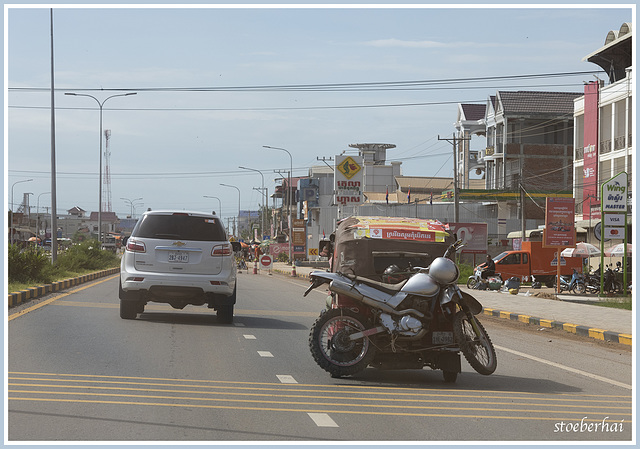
265	261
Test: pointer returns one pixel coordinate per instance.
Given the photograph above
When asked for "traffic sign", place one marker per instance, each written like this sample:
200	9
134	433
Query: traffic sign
265	262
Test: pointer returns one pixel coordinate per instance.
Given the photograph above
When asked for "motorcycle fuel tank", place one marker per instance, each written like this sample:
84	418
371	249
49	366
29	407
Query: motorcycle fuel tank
421	284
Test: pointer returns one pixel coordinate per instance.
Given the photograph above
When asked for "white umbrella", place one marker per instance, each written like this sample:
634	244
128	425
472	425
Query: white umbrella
582	249
617	250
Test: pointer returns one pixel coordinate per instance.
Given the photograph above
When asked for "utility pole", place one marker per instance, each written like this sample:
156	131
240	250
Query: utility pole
522	199
324	159
456	204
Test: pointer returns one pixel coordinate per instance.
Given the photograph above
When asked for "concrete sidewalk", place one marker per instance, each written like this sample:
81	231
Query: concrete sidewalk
568	312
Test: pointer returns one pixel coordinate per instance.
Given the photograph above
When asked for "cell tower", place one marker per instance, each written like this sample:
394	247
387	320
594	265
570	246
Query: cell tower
106	180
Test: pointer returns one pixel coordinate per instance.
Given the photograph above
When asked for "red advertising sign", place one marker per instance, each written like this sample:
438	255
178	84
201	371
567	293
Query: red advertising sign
559	229
475	236
590	180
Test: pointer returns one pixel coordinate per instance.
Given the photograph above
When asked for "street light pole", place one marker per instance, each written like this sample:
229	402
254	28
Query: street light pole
219	203
100	105
238	227
264	202
131	203
38	216
288	196
12	204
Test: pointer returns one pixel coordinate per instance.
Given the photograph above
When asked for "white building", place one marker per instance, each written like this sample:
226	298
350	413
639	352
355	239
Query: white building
604	149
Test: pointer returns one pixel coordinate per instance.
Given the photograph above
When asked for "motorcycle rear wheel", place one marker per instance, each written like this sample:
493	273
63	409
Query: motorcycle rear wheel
331	347
476	348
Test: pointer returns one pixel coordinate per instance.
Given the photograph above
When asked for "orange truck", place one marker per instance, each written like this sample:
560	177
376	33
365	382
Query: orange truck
535	261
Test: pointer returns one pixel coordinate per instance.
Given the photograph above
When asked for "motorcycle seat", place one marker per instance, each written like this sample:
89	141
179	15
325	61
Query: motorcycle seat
388	288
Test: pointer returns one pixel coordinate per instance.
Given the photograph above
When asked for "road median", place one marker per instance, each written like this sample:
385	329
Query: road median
22	296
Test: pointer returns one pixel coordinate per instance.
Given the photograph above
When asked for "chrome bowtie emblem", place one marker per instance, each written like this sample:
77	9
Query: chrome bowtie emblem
179	243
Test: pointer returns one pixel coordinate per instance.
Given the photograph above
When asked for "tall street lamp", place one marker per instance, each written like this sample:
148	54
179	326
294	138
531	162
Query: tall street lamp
219	203
264	198
131	203
38	216
288	195
100	104
12	203
227	185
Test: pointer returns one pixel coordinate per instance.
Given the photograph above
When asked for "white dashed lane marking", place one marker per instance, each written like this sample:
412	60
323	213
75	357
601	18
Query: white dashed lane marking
250	337
286	379
322	420
265	354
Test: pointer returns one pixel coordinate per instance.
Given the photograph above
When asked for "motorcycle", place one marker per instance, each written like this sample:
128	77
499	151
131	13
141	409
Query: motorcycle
425	320
592	283
574	284
611	283
477	282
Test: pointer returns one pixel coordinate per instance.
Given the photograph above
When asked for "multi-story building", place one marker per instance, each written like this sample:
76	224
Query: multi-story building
469	124
603	126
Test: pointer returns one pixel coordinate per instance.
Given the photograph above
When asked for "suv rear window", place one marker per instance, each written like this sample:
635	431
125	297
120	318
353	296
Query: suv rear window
180	227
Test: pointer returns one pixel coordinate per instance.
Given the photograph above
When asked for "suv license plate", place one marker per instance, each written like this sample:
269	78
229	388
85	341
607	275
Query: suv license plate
178	257
442	338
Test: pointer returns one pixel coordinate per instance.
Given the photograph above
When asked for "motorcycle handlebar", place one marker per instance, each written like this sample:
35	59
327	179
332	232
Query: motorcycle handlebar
453	248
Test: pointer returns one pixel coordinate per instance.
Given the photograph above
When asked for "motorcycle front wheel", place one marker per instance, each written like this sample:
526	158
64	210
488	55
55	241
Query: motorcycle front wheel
474	343
331	347
472	282
579	288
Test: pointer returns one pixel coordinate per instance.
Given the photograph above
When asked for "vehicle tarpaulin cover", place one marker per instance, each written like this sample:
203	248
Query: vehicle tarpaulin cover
365	246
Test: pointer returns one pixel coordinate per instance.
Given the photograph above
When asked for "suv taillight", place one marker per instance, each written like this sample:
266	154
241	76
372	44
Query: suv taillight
136	247
221	250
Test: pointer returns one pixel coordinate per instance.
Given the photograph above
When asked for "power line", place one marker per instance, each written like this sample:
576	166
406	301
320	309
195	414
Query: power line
322	87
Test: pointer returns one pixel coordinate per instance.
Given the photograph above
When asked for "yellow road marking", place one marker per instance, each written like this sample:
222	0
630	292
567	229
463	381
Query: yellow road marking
343	404
344	412
338	389
311	396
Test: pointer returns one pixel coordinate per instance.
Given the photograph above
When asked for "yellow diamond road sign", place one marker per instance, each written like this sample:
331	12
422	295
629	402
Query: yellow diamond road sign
349	168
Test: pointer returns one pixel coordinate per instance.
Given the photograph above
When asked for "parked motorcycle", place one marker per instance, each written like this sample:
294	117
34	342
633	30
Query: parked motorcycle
425	320
574	284
592	282
611	283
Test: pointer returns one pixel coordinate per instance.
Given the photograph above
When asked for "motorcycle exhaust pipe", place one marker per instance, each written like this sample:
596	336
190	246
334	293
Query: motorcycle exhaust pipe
342	288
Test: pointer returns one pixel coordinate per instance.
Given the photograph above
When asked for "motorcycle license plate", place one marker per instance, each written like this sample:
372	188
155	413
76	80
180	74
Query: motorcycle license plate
442	338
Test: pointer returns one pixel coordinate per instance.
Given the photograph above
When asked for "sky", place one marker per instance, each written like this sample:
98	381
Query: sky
214	85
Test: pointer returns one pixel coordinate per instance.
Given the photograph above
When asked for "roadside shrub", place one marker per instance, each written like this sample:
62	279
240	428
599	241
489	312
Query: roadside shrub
86	256
29	265
466	270
283	257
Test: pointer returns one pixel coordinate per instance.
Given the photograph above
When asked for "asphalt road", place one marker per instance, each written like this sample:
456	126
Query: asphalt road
77	372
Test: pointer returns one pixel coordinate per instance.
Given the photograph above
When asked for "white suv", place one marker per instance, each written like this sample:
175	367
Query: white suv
178	258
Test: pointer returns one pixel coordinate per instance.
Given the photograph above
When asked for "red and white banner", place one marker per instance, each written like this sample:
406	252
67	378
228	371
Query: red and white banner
399	234
590	168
